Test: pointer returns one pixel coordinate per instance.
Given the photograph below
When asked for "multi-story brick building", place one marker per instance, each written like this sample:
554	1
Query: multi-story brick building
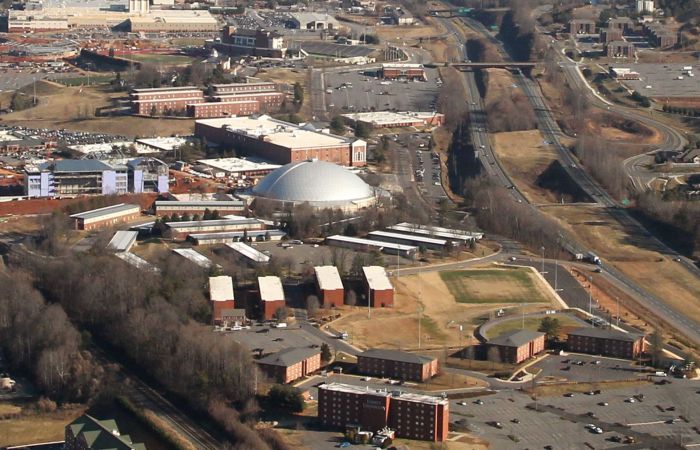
607	342
267	101
239	88
608	35
397	364
282	142
291	363
168	100
271	296
106	217
413	416
221	296
620	49
581	26
329	286
625	24
223	109
516	346
381	291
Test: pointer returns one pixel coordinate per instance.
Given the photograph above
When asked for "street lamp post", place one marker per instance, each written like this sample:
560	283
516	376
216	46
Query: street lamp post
590	296
542	248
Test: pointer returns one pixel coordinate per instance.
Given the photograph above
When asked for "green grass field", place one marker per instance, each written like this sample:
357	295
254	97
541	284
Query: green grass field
156	58
493	286
532	324
83	81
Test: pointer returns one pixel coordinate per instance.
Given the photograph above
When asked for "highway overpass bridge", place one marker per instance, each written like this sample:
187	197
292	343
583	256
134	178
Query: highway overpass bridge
493	65
461	12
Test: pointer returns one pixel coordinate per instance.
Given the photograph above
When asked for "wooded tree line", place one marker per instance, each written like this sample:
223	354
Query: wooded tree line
518	31
38	339
511	111
462	163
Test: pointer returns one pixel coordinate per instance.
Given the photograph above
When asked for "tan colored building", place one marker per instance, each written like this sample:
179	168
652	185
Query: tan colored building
106	217
606	342
516	346
397	364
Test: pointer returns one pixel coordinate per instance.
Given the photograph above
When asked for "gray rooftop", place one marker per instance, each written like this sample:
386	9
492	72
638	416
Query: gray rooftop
289	356
75	165
602	333
200	204
396	355
212	223
515	338
123	240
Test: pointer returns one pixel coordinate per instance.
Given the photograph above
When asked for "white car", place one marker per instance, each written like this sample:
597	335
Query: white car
630	400
366	378
462	403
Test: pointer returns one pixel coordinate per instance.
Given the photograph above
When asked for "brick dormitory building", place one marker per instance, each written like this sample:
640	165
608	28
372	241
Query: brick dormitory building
290	364
413	416
606	342
397	364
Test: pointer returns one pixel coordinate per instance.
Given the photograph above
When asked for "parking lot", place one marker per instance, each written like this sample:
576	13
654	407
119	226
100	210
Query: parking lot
506	422
353	90
586	369
663	80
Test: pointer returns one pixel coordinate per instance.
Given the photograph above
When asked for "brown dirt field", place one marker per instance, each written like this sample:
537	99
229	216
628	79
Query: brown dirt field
667	57
560	389
685	102
608	127
441	50
389	34
291	76
45	206
72	108
636	258
525	157
499	83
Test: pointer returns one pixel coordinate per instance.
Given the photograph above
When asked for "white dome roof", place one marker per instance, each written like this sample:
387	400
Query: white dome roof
316	182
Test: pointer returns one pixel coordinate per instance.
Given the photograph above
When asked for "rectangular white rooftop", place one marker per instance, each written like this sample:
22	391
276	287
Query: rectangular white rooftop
328	278
389	117
406	237
270	288
276	132
236	165
399	395
372	243
377	279
249	252
136	261
429	230
197	258
220	288
122	240
120	209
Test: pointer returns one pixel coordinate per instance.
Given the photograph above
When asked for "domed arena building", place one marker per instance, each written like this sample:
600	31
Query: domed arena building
318	183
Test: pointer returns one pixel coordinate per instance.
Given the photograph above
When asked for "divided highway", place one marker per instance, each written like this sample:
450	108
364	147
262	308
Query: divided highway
551	132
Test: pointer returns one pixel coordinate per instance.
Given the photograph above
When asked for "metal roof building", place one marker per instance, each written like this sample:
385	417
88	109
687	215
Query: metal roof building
420	241
407	251
109	215
137	262
122	241
429	230
376	278
235	236
249	252
197	258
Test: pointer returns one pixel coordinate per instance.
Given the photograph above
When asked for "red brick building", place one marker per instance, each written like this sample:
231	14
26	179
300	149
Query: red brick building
271	296
606	342
329	286
413	416
403	72
282	142
581	26
381	292
397	364
608	35
221	297
106	217
620	49
267	100
516	346
236	88
162	101
290	364
233	317
223	109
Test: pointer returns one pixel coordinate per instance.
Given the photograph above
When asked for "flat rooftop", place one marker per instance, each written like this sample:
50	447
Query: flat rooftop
376	278
328	278
211	223
399	395
235	234
390	118
427	230
407	237
136	261
371	243
277	132
235	165
201	203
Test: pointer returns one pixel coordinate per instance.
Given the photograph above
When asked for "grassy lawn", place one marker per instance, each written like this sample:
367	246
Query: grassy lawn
38	427
156	58
82	81
493	286
531	323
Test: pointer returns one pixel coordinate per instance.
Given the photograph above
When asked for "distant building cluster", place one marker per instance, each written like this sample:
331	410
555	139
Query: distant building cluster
388	119
403	71
254	42
236	99
70	178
